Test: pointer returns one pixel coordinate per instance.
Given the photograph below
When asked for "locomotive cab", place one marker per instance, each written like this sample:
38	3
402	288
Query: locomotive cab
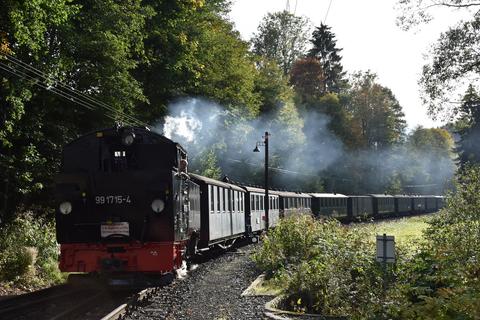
127	189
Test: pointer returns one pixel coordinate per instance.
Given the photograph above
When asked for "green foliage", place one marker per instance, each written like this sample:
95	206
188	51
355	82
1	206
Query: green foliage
92	46
29	251
209	165
272	86
16	263
308	79
440	281
468	126
431	160
454	61
326	268
376	112
228	72
282	37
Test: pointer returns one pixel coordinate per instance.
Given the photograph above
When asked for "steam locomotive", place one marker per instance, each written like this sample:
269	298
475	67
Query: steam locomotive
127	205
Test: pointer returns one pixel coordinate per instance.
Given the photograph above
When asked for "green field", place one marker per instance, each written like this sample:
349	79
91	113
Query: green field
404	229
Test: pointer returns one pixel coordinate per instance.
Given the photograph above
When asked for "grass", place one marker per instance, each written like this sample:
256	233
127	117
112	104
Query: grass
404	229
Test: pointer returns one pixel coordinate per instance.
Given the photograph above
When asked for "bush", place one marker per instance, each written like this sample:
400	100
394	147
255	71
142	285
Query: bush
29	252
16	263
441	281
326	268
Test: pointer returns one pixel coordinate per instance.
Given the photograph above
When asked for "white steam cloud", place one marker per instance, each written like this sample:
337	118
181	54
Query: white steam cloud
183	126
299	156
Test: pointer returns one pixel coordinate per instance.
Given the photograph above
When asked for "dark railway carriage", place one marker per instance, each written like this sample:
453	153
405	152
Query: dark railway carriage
403	204
418	204
255	210
124	203
383	204
430	203
222	211
294	202
359	206
440	202
329	205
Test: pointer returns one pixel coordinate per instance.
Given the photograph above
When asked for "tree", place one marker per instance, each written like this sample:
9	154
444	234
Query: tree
468	147
272	87
431	159
416	12
455	59
282	37
325	50
192	50
308	79
92	47
375	111
228	71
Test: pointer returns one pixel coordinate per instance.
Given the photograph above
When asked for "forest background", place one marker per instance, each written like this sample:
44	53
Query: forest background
176	63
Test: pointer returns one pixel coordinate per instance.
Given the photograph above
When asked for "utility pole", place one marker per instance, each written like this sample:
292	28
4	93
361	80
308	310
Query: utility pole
266	200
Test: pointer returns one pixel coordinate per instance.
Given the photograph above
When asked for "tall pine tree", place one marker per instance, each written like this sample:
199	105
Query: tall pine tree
325	50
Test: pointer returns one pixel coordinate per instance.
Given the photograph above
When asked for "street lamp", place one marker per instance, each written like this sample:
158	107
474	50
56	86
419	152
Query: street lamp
264	143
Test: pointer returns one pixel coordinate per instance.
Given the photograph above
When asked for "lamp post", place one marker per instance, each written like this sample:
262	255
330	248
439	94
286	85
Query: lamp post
265	144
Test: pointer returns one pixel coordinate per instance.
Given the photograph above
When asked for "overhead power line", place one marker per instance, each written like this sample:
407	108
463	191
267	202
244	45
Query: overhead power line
328	10
48	82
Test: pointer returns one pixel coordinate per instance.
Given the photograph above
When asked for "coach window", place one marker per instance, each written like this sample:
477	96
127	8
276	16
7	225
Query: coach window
225	200
215	199
218	197
242	196
224	204
210	199
234	201
239	201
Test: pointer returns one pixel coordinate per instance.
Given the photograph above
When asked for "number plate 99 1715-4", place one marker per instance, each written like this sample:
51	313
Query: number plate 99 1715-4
120	199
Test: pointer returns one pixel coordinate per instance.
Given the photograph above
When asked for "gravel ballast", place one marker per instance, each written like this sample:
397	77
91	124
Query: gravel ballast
211	291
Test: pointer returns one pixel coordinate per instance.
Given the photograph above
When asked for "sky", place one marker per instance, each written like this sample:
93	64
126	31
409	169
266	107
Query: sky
370	39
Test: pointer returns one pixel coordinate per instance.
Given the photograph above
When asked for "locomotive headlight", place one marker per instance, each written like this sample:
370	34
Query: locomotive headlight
158	205
65	207
128	138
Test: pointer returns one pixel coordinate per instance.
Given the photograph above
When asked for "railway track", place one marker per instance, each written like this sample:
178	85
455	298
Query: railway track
63	302
131	304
